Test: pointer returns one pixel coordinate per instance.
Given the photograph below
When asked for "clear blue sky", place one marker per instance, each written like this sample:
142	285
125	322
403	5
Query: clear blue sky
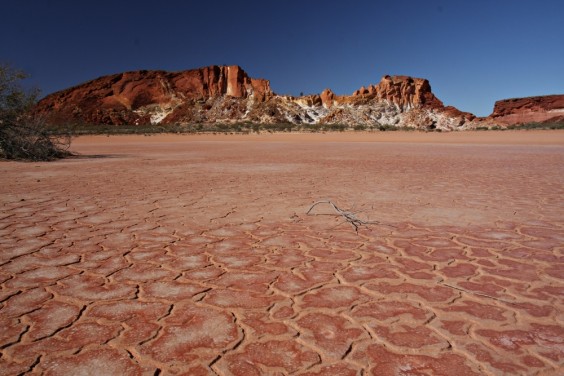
473	52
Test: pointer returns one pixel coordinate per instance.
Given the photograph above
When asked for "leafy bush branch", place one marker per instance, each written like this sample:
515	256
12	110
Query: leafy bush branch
24	136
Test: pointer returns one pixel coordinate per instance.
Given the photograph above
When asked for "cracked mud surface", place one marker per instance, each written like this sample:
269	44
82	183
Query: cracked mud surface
196	257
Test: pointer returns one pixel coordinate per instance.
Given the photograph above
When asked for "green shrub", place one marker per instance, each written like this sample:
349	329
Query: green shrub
534	125
24	136
387	127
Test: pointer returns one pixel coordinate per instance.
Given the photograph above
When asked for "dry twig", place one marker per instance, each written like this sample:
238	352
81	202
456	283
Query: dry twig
347	215
477	293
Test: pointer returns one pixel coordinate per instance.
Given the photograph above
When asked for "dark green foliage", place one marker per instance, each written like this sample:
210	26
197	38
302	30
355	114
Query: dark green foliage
22	135
555	125
225	128
526	126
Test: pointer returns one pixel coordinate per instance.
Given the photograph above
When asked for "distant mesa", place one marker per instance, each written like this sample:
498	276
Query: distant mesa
143	97
226	94
543	109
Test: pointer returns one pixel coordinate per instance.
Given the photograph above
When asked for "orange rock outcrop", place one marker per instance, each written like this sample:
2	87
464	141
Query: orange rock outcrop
226	94
404	91
544	109
115	99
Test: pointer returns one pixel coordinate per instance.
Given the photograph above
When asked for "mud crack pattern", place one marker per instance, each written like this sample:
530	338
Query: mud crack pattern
197	258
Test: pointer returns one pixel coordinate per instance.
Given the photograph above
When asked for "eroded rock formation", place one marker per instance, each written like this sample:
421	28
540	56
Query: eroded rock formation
149	96
407	92
542	109
226	94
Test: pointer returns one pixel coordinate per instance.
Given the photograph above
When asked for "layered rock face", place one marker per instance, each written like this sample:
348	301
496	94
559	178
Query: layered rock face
226	94
407	92
400	101
148	96
542	109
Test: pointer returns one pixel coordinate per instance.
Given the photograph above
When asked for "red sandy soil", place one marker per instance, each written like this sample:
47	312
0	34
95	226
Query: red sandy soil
194	255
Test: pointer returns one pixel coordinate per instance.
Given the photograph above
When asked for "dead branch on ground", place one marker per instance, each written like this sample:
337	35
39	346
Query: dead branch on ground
476	293
348	216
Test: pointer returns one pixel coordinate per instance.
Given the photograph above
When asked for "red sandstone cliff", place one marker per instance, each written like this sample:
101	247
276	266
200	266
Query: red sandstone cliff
396	100
127	98
403	91
226	94
542	109
407	92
